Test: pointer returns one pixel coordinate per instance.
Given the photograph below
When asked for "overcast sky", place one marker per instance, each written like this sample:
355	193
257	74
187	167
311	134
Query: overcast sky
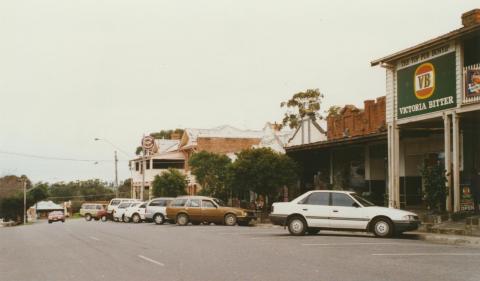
74	70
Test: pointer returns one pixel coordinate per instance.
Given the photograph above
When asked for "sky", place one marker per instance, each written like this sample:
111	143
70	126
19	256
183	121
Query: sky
72	71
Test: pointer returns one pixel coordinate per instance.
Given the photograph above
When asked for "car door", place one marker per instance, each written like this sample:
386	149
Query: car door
346	213
194	210
210	212
316	210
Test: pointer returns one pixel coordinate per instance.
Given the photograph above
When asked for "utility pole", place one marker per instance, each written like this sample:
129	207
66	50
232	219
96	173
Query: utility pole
116	174
24	181
142	169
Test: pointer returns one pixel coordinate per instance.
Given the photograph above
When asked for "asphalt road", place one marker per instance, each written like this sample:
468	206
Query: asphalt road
80	250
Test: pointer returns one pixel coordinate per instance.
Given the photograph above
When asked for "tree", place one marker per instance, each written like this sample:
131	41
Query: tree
305	103
171	183
11	207
263	171
211	171
434	180
125	189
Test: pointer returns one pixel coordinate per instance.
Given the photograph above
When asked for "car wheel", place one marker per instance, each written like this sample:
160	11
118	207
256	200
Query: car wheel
159	219
88	217
382	227
230	220
182	219
126	219
297	226
136	218
313	231
104	218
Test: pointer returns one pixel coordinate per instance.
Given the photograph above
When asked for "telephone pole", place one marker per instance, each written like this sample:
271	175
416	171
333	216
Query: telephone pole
116	174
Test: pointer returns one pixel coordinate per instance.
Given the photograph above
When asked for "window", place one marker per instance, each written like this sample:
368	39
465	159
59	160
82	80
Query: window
219	202
208	204
178	202
342	200
123	205
167	163
194	203
318	198
143	205
156	203
137	166
99	207
147	164
363	201
115	202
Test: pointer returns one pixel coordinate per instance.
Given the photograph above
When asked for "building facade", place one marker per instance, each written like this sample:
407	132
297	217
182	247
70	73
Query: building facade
433	115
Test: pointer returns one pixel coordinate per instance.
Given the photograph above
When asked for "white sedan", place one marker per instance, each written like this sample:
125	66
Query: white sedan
340	210
119	211
135	213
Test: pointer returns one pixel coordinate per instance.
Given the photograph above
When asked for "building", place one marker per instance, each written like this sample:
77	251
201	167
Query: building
433	114
176	153
350	155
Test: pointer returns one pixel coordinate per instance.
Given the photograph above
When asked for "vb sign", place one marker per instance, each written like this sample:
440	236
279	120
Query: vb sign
424	81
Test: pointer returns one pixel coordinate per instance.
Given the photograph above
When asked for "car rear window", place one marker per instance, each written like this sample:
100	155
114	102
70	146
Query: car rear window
178	202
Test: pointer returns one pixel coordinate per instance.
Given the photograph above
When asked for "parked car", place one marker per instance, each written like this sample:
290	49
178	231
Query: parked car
93	211
119	211
135	213
340	210
156	209
56	216
200	209
115	202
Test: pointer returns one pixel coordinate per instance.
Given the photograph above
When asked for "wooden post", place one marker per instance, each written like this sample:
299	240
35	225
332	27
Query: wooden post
448	159
456	162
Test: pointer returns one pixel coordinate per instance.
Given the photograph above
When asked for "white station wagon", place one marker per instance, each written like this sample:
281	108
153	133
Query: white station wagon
340	210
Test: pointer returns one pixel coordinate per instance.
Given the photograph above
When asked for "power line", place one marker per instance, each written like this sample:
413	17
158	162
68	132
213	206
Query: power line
52	158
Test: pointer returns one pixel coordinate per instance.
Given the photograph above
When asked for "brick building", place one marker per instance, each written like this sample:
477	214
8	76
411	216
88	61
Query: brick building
351	121
353	154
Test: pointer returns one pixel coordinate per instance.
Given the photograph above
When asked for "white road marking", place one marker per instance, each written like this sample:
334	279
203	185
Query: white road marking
94	238
350	244
150	260
430	254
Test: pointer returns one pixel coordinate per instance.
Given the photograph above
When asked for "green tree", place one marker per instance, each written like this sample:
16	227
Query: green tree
212	172
12	206
434	181
171	183
263	171
125	189
305	103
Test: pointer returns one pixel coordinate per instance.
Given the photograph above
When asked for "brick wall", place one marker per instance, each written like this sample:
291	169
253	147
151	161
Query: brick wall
225	145
351	121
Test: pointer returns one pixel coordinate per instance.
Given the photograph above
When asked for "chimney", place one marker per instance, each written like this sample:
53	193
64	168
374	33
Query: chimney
471	18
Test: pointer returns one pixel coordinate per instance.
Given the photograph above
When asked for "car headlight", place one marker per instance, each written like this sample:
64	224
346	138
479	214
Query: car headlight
409	217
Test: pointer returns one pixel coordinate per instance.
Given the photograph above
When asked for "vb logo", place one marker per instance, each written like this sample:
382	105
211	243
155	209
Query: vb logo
424	81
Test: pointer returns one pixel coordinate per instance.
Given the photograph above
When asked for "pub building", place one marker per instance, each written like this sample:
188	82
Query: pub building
433	115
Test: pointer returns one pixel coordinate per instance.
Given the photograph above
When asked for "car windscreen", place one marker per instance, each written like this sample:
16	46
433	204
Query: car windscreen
115	202
362	200
219	202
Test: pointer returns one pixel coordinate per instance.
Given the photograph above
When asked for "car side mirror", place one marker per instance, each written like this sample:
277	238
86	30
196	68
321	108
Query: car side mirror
355	204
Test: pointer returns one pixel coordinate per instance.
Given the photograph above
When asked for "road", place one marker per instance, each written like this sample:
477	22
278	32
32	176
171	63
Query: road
80	250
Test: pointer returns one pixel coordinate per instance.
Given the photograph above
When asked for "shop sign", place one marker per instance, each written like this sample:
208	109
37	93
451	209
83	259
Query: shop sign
427	86
472	82
466	201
